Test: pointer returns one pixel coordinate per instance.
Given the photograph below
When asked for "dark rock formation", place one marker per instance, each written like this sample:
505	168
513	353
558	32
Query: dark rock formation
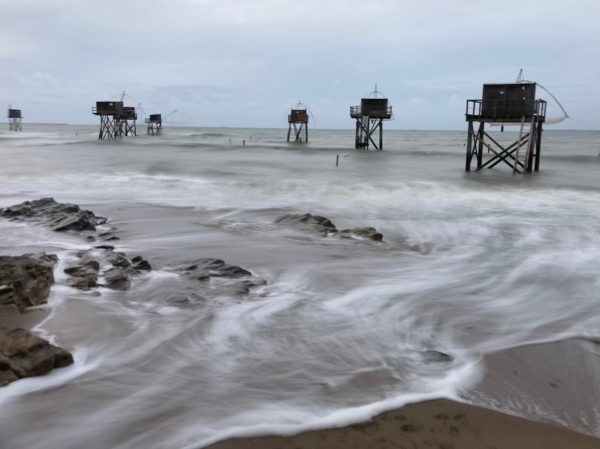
433	356
362	233
84	274
25	280
209	278
117	259
324	227
116	279
313	223
58	216
22	354
138	263
203	269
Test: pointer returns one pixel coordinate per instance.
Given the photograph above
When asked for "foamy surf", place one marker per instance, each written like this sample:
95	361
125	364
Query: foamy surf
344	329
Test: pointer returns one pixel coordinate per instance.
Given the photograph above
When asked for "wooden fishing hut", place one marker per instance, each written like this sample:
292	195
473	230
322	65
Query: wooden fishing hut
369	118
298	119
154	122
110	122
127	119
506	104
15	120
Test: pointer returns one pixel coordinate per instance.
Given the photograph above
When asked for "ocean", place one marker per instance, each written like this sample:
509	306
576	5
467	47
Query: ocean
470	264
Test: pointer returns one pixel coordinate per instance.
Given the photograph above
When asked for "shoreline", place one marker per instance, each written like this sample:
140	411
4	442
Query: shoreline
501	412
437	424
517	383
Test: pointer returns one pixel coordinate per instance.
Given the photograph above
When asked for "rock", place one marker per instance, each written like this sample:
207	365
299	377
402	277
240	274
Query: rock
85	274
140	264
117	259
104	247
314	223
85	268
23	354
325	227
208	278
58	216
108	236
203	269
432	356
362	233
25	280
116	279
83	282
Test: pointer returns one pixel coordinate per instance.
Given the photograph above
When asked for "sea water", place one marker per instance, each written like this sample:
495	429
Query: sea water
470	263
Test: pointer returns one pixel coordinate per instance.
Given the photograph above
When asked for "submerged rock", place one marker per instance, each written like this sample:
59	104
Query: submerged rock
432	356
116	279
23	354
85	273
138	263
58	216
25	280
209	278
324	227
203	269
313	223
362	233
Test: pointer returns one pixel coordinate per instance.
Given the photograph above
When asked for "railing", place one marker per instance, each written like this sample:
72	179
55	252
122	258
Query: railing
356	112
97	111
494	108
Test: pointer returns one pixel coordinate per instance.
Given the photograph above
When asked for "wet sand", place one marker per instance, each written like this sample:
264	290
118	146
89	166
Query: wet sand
552	388
556	383
27	319
438	424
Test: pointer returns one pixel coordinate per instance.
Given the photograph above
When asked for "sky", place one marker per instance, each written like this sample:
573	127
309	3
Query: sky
245	63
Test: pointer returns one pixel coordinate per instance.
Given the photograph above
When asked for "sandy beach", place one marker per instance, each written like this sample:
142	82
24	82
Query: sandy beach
439	424
26	320
559	378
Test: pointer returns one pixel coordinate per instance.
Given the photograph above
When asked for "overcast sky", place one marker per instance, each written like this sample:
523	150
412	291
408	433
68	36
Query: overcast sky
246	62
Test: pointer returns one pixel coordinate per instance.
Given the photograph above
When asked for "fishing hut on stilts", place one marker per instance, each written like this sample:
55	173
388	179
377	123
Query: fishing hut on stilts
154	122
369	118
298	119
110	113
506	104
127	120
15	120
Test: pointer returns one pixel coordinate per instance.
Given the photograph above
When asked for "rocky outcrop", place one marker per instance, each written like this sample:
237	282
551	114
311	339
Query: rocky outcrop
23	354
57	216
204	269
362	234
84	274
25	281
312	223
323	226
209	278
